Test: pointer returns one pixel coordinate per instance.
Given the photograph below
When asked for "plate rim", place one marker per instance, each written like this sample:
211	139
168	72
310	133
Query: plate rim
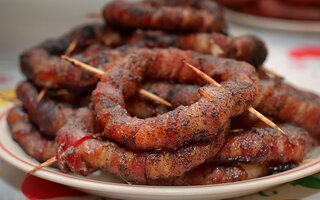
111	187
269	23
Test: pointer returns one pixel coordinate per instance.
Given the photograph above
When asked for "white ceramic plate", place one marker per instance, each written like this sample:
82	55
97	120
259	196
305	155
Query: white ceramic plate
110	186
273	23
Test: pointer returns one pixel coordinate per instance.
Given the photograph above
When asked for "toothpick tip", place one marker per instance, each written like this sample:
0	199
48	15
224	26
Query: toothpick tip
71	47
275	74
203	75
281	131
250	109
41	95
93	15
42	165
154	97
100	72
32	171
265	120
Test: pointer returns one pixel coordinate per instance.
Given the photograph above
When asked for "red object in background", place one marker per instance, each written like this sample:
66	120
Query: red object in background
36	188
3	79
303	52
298	54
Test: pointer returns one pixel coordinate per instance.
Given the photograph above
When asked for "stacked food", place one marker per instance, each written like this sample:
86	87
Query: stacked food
93	110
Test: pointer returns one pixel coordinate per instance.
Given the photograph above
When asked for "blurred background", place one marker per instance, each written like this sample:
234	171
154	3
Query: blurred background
294	46
25	24
308	10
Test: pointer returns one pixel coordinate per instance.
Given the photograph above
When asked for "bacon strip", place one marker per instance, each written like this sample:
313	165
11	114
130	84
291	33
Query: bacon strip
185	124
31	140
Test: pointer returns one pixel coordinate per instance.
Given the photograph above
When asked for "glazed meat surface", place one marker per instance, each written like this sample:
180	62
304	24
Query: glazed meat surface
32	141
176	17
47	114
132	166
285	103
266	145
240	89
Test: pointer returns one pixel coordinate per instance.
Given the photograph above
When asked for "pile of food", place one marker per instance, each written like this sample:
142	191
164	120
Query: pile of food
100	118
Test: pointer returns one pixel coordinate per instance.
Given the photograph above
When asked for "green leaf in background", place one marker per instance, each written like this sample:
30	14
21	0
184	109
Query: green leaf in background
268	195
309	182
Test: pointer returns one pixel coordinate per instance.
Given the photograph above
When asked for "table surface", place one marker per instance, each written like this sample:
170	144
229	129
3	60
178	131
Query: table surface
26	23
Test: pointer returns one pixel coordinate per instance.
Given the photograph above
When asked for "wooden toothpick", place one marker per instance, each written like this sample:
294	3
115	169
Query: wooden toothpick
250	109
68	51
94	15
236	130
41	94
45	164
55	159
71	47
100	72
275	74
